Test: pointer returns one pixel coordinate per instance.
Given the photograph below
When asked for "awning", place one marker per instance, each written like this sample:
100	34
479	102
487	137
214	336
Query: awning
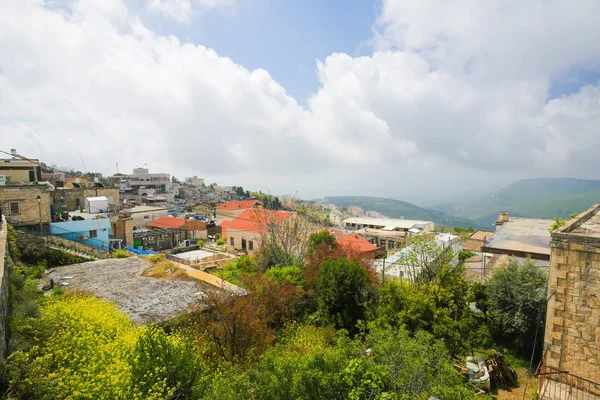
388	228
414	230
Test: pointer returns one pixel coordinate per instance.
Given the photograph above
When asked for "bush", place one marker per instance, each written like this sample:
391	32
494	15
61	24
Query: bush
121	253
201	242
89	349
156	258
221	241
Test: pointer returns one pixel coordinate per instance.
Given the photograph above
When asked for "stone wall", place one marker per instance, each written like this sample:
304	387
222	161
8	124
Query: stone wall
5	262
71	244
29	209
572	338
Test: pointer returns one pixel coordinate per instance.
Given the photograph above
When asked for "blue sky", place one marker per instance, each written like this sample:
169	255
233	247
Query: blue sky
282	36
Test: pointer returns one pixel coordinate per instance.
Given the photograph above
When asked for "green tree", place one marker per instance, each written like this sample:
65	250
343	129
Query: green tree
426	258
517	301
342	291
321	240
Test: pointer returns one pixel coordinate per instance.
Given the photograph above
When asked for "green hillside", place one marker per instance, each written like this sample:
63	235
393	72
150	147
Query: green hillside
396	209
536	198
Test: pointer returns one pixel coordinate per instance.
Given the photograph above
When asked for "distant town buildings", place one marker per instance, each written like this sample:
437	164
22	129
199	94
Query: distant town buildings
388	224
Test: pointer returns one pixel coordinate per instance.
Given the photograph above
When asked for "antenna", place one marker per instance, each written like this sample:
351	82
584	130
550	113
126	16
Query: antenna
80	156
117	167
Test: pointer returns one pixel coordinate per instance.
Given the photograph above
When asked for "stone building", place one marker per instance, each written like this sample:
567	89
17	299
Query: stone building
21	207
572	337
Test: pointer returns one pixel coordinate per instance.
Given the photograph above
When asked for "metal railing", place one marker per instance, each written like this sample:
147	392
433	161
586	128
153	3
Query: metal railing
75	237
556	384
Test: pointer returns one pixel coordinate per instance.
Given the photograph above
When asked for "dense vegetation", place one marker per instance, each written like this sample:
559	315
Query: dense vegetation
322	328
536	198
396	209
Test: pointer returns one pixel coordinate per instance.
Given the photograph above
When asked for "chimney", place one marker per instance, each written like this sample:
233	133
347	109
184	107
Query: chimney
502	218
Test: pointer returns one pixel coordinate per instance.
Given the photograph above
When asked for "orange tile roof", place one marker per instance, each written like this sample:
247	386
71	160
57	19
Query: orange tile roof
254	220
238	205
167	223
356	242
224	226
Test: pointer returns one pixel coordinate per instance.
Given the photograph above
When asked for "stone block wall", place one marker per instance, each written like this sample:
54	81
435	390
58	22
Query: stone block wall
572	338
29	208
5	262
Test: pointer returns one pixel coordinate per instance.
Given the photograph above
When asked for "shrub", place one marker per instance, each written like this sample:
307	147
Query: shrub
201	242
156	258
221	241
121	253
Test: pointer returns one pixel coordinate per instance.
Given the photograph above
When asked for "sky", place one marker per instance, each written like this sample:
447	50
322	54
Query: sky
418	100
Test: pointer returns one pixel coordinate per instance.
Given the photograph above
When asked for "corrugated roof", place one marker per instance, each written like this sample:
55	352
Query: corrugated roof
167	223
238	205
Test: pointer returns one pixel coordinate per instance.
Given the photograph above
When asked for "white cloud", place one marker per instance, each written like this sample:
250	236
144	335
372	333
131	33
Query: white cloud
453	93
183	10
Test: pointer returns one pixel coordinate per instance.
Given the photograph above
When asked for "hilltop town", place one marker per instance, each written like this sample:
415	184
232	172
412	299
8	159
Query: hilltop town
155	255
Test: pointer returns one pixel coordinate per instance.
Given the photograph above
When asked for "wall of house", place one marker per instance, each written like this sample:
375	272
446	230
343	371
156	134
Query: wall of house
19	170
228	214
237	237
29	209
123	228
141	219
572	338
72	229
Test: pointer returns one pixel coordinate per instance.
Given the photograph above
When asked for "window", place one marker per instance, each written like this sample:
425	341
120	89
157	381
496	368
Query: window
14	208
250	245
231	241
93	234
146	217
390	244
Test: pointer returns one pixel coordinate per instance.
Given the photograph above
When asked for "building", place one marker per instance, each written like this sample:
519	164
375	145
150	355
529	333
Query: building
244	232
53	177
234	209
90	229
194	181
572	337
143	187
189	229
17	170
388	224
143	215
354	243
475	241
73	199
78	182
384	239
520	237
27	206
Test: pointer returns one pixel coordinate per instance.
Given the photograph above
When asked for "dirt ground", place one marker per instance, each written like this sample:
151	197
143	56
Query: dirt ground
144	299
517	393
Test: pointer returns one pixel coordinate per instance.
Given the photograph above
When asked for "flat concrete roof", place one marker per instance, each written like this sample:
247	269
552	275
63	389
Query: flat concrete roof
194	255
585	225
521	236
386	222
480	235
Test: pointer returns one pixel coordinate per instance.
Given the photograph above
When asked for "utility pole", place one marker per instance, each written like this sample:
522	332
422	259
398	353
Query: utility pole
383	268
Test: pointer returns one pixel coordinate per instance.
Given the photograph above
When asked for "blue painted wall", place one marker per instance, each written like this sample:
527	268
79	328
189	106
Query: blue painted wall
72	229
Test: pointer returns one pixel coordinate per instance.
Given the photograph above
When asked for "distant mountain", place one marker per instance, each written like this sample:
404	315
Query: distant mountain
535	198
396	209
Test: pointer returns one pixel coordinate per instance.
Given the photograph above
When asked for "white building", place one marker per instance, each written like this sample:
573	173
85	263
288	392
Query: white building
389	224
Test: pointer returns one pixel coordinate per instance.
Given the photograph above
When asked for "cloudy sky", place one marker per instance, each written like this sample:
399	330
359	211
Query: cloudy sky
412	99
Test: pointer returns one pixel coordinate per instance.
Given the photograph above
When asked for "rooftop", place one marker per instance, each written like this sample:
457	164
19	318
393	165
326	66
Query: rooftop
386	222
586	224
238	205
167	223
144	209
356	242
253	220
522	236
481	235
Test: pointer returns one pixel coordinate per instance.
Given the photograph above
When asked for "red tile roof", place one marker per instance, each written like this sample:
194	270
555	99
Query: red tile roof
238	205
356	242
224	226
254	220
167	223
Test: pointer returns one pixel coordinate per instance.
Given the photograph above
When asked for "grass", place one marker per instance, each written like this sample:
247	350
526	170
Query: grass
160	268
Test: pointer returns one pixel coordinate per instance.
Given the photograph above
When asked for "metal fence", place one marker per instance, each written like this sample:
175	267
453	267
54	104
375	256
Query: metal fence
556	384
